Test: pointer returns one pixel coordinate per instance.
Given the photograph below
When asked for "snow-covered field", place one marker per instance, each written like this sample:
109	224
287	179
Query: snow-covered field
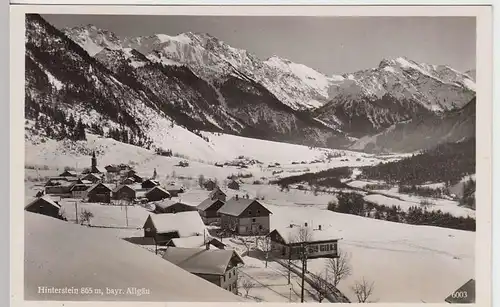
406	263
392	197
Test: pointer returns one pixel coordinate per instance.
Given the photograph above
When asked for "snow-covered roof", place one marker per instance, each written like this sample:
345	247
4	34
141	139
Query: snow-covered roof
216	190
157	188
107	185
235	207
190	242
54	251
92	175
291	234
201	260
46	198
186	224
80	187
169	202
207	203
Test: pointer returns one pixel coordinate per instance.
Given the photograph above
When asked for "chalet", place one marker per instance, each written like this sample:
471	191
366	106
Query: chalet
99	193
79	190
60	185
128	180
157	193
245	216
164	227
149	184
196	242
288	242
94	178
208	210
170	206
218	266
124	192
217	193
466	294
210	185
233	185
44	205
68	174
174	190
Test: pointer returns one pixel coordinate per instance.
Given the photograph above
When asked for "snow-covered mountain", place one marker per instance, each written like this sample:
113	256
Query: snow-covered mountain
201	83
424	132
295	85
371	100
122	93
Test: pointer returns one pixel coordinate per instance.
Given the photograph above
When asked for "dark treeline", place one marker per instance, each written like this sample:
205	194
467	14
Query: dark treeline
446	163
327	178
354	203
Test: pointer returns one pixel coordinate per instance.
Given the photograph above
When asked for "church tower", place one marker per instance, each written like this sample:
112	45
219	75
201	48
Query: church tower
93	168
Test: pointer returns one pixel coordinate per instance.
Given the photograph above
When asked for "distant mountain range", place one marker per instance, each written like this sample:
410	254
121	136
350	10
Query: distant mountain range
146	84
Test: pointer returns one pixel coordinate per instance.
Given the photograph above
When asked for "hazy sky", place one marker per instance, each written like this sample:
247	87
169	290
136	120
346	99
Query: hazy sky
328	44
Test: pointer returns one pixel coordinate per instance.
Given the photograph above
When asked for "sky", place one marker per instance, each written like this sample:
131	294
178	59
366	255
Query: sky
331	45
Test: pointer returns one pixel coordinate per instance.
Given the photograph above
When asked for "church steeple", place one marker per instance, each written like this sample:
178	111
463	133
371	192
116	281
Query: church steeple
94	163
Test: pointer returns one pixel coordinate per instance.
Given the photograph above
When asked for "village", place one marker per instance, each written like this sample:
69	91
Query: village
229	225
209	239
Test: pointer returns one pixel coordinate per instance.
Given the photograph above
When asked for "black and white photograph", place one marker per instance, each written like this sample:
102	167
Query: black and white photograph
243	158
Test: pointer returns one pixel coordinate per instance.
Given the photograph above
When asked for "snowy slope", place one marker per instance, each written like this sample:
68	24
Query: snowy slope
60	254
408	264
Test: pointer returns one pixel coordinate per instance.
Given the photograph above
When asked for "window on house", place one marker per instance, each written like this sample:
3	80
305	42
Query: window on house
253	220
258	211
322	248
229	274
223	278
229	287
260	227
249	212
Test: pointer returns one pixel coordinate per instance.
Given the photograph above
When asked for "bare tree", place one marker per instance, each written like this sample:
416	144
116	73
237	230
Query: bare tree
247	285
86	216
320	285
201	180
363	290
266	247
340	267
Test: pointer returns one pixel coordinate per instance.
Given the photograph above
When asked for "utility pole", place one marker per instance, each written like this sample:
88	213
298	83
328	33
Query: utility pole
304	269
289	262
126	212
76	211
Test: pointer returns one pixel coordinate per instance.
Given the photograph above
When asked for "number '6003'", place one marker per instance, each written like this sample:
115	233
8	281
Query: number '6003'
459	294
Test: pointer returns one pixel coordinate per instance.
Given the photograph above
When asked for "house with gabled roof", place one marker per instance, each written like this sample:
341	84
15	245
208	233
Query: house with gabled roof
208	210
100	193
172	206
44	205
217	266
210	185
233	185
124	192
217	193
157	193
174	190
164	227
68	173
245	216
79	190
149	184
289	242
92	177
60	185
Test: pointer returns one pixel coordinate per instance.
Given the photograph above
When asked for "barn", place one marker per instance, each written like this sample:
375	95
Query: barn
233	185
44	205
171	206
99	193
124	192
208	210
79	190
164	227
157	193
